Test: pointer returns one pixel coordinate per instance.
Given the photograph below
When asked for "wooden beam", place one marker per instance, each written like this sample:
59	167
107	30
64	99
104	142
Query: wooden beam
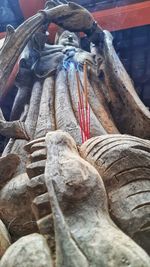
113	19
119	18
95	5
124	17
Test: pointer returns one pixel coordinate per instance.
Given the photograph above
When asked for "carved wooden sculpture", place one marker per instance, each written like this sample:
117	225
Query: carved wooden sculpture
123	162
65	96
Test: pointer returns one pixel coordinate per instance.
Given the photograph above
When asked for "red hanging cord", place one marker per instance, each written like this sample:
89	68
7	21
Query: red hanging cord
83	107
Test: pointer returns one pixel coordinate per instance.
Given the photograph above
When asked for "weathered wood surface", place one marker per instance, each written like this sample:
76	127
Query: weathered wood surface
71	16
37	190
8	166
54	190
15	207
124	164
14	129
5	241
76	18
29	251
128	111
14	44
84	233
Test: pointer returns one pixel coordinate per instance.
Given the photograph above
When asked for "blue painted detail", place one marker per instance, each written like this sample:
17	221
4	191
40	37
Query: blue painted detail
70	64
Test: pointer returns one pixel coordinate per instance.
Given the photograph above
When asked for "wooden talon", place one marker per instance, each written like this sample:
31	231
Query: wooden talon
36	186
36	168
35	145
41	206
37	155
45	225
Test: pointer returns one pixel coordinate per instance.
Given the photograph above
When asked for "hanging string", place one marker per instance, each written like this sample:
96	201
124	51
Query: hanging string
83	106
80	109
87	107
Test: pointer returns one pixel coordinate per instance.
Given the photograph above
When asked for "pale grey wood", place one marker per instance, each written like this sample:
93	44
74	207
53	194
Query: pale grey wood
130	114
85	234
31	250
63	193
123	161
5	240
15	207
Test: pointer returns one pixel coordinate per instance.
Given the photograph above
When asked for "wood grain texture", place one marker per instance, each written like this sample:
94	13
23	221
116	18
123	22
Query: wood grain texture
83	228
37	190
33	248
55	190
15	207
5	241
124	163
128	111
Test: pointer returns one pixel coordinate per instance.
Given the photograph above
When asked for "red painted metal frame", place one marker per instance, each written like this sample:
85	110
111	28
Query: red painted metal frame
113	19
120	18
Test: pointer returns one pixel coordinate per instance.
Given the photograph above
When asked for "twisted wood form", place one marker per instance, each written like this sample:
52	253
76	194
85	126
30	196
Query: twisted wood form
123	162
75	196
69	198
